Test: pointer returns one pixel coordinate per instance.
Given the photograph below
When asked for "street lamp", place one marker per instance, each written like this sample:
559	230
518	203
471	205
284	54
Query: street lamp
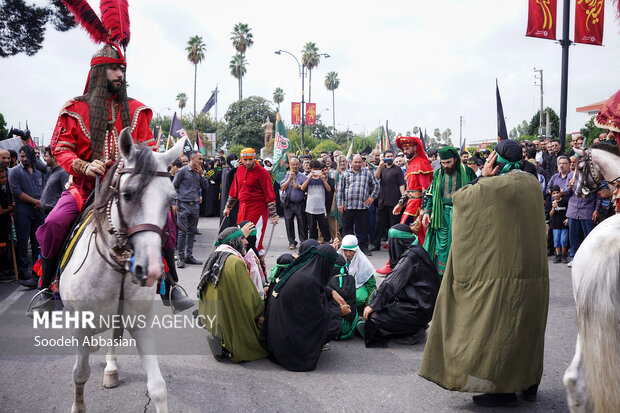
303	102
158	117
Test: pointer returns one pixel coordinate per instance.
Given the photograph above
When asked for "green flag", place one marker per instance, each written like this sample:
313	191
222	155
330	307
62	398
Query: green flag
280	148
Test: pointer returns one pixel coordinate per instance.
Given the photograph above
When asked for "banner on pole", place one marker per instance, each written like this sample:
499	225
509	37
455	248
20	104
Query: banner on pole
280	148
502	133
295	113
589	18
310	113
541	19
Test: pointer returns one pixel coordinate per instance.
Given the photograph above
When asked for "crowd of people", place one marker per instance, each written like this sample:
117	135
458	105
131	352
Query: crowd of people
485	291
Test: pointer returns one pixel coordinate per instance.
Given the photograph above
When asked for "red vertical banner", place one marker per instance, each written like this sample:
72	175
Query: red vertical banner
541	19
295	113
310	113
589	21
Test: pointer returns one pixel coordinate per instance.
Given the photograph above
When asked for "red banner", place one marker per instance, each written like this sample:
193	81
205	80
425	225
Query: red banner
295	113
541	19
589	21
310	113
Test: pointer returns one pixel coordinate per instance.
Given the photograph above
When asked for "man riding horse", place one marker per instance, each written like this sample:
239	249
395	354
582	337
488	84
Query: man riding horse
85	143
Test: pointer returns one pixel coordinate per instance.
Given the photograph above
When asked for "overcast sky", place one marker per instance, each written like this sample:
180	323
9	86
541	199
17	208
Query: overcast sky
417	63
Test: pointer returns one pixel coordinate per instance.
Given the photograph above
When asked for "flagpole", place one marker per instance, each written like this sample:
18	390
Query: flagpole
565	42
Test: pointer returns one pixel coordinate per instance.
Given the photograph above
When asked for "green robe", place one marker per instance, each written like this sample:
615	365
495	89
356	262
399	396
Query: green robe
236	307
488	328
439	233
363	292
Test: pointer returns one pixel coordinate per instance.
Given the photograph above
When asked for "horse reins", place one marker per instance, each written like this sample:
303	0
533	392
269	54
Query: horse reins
587	170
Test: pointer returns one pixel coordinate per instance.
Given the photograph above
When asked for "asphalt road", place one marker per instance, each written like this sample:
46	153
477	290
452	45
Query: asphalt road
348	378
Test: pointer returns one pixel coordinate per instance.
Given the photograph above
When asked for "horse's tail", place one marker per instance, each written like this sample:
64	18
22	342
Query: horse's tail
598	318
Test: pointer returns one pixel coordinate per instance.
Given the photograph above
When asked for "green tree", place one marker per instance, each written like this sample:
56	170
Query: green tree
534	124
238	69
326	145
22	27
331	83
443	137
242	39
310	59
196	50
590	131
278	97
3	132
243	122
236	149
182	99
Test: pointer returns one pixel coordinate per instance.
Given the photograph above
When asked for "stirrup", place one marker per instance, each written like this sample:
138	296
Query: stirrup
172	287
29	312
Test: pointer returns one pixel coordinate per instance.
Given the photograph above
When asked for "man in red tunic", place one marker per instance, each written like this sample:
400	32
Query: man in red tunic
418	176
85	143
253	188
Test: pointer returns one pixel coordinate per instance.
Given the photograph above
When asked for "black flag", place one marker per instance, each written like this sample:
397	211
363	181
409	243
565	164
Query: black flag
209	103
501	122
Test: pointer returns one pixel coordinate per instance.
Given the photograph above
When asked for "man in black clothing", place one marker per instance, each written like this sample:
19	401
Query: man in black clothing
551	162
55	182
391	188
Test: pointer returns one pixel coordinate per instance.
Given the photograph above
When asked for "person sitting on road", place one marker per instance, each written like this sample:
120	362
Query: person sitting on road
344	284
359	267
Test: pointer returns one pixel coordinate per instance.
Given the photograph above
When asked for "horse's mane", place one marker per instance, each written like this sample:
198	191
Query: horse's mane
144	169
607	147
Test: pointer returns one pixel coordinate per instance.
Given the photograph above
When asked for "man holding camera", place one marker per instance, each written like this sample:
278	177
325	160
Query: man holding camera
391	189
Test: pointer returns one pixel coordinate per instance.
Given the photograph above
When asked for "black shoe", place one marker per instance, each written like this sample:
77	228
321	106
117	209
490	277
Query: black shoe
564	259
29	283
367	252
496	400
529	394
7	277
557	259
373	248
180	301
193	261
181	263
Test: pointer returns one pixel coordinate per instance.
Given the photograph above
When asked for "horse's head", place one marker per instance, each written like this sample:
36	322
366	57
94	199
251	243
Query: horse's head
145	194
588	175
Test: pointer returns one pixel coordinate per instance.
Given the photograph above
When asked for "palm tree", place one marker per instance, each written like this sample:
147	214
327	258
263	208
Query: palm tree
331	83
310	58
238	69
182	99
278	96
195	49
242	39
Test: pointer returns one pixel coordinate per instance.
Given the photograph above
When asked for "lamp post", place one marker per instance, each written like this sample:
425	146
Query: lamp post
159	117
303	102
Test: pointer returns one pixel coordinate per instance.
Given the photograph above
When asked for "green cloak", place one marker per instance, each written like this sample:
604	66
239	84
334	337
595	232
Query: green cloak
488	328
235	307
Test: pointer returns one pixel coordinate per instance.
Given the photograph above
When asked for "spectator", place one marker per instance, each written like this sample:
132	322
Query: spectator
582	214
306	166
174	167
6	208
228	175
54	184
559	224
294	200
357	190
332	222
26	184
574	160
5	159
472	163
391	188
550	164
13	156
316	185
187	183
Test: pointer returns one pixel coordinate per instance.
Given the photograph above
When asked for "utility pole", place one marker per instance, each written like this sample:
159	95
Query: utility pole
541	131
460	131
565	42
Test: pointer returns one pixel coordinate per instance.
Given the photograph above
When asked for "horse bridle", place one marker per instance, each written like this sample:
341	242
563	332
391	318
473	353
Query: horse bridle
587	171
122	250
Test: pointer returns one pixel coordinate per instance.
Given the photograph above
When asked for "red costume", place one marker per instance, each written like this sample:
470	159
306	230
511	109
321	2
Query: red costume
254	190
419	176
71	143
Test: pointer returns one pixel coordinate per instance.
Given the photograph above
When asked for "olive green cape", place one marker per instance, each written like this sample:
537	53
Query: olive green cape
235	307
488	328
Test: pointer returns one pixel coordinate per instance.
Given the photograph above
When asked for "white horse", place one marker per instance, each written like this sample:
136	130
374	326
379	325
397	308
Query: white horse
129	212
596	288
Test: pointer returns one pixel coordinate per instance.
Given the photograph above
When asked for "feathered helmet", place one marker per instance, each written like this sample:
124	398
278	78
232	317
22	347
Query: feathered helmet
112	29
609	115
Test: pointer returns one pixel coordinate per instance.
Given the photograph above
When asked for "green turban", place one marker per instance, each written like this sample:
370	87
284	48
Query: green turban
447	152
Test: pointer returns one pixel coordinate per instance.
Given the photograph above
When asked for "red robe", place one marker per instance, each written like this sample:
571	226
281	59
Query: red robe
254	190
419	176
71	138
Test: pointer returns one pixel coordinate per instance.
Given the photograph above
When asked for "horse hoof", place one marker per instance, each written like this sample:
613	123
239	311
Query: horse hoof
78	408
110	379
94	349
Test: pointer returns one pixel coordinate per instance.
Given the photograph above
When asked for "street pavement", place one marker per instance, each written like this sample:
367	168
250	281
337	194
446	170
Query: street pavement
348	378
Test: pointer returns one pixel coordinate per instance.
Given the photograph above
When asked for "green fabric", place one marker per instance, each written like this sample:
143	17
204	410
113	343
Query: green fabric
347	330
238	233
363	292
436	196
438	240
235	307
509	164
488	327
396	233
447	152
